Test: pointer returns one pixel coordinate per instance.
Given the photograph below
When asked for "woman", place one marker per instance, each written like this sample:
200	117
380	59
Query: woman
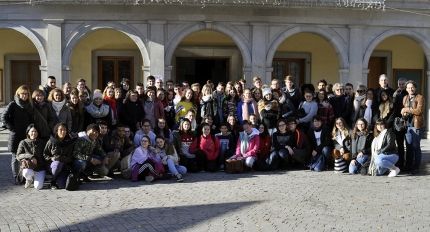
265	141
386	109
384	151
210	121
269	110
206	149
59	152
209	104
229	86
184	105
132	112
247	106
369	108
361	143
182	140
169	158
325	110
41	114
357	102
257	94
98	110
109	98
16	117
229	105
342	145
152	106
161	129
31	149
143	167
311	109
169	110
119	101
83	97
239	89
77	112
234	127
58	109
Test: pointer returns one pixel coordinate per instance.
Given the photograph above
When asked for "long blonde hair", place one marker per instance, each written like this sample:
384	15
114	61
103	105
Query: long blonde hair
344	130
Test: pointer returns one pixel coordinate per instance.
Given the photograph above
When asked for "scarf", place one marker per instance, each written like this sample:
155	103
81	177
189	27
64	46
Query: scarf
339	137
244	142
57	106
23	104
359	98
39	104
368	111
245	112
97	112
268	105
376	146
112	103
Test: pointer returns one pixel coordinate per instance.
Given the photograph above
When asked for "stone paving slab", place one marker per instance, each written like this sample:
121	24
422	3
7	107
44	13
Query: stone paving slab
297	200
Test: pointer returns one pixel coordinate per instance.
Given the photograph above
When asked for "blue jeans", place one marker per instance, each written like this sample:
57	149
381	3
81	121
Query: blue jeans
326	152
272	160
176	168
413	147
360	161
59	175
86	166
385	162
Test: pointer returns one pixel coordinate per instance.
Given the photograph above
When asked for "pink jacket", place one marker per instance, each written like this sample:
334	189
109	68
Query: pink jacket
253	145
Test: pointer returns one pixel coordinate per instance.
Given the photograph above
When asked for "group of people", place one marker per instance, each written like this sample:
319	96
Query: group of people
165	130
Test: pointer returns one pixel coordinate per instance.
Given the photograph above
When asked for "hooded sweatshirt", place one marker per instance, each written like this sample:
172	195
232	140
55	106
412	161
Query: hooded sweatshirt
252	145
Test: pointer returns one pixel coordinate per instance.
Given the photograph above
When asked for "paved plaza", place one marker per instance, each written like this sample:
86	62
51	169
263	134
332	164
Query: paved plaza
297	200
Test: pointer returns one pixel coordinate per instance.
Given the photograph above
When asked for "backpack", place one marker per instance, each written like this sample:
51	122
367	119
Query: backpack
126	165
317	163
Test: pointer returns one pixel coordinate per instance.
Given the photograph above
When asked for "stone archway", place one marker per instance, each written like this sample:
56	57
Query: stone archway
79	33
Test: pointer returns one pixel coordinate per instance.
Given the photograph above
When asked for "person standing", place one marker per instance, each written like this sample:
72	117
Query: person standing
398	96
383	85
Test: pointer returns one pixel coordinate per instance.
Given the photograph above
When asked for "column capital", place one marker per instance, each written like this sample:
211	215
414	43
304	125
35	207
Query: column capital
67	68
168	68
247	69
43	68
53	21
356	26
157	22
146	68
258	23
343	70
428	73
208	24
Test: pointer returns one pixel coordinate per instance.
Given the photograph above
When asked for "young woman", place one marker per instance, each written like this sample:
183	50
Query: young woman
77	112
98	110
247	106
58	109
141	163
229	105
229	86
269	110
184	105
206	148
209	104
247	145
119	101
265	141
31	149
210	121
58	152
359	97
369	108
257	94
361	143
234	127
109	98
384	151
311	109
169	110
152	106
169	158
132	112
161	129
325	110
182	140
41	114
239	88
342	145
83	97
386	109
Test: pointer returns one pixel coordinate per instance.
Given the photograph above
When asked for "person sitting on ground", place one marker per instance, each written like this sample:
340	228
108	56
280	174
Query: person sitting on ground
361	144
162	129
169	158
342	145
145	130
248	144
265	141
182	140
320	139
206	149
141	163
227	147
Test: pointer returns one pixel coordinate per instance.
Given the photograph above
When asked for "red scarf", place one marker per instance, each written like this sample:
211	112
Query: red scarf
112	103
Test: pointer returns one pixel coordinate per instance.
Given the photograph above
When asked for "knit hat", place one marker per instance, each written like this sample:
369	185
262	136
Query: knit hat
97	95
266	91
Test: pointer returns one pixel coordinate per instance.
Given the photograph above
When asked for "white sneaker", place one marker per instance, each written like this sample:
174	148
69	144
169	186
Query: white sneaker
28	183
149	178
394	173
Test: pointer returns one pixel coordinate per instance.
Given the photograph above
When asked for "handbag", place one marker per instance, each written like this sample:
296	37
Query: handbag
72	181
300	112
234	166
27	164
399	124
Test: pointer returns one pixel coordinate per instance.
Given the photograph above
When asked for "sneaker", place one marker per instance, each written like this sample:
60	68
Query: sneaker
394	172
149	178
222	168
179	177
54	187
28	183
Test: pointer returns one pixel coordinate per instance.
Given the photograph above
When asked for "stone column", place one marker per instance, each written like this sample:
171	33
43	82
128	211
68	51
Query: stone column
156	49
259	34
356	55
365	72
168	72
247	74
343	75
54	51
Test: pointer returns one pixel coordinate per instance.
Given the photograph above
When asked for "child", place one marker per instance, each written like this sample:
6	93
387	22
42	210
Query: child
254	121
227	147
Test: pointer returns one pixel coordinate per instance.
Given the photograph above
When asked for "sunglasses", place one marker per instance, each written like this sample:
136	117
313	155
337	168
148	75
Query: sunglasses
360	91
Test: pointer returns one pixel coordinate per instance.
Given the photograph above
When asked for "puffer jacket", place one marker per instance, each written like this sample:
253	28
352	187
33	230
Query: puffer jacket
60	149
29	149
16	118
229	107
84	148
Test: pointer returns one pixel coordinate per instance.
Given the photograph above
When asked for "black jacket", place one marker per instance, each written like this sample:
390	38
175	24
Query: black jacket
132	113
388	144
62	150
325	139
361	143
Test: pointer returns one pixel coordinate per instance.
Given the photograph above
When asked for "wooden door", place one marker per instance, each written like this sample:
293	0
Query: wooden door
284	67
112	68
25	72
377	66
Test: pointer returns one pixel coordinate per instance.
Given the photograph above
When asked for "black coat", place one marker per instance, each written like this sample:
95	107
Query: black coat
132	113
42	117
61	150
362	144
326	140
16	118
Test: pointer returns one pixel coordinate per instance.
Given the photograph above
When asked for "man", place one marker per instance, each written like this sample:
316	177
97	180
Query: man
88	154
219	94
140	90
125	87
103	126
178	94
169	84
248	144
185	85
320	139
340	103
322	84
413	110
197	96
80	85
257	83
383	85
349	92
145	130
159	83
398	96
67	88
291	92
150	81
50	85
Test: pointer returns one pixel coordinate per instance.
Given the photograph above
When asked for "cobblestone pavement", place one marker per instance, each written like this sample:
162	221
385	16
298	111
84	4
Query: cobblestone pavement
277	201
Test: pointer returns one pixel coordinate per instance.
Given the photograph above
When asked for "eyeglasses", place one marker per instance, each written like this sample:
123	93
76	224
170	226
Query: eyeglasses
360	91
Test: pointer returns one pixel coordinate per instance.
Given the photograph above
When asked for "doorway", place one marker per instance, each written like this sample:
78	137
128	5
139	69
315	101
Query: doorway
25	72
377	66
283	67
200	70
115	68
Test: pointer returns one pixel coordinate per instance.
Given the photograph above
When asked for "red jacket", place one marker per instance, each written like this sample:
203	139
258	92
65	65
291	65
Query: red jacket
210	147
265	145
